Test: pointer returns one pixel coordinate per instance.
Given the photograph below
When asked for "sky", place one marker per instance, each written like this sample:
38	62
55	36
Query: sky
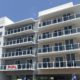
18	10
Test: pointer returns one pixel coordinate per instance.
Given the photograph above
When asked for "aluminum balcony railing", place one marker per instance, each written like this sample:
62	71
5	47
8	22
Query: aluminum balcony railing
59	33
21	29
59	19
14	67
19	53
59	48
59	64
18	41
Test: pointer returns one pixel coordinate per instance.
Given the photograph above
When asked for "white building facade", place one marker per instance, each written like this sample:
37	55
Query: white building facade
43	49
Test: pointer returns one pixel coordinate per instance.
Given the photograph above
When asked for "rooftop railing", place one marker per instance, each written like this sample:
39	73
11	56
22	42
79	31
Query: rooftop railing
59	19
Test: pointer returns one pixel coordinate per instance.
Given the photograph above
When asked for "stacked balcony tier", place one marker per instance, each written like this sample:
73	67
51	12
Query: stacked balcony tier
24	40
19	54
19	30
57	20
62	48
58	34
15	67
59	65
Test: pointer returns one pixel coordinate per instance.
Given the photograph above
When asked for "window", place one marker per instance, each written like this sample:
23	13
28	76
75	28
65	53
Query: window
24	52
66	16
48	22
1	26
14	41
39	24
22	28
58	47
25	39
59	19
46	62
0	33
11	42
29	51
9	54
15	30
19	49
45	48
39	36
78	15
29	61
69	44
70	59
59	60
29	38
19	29
68	29
13	53
59	33
17	62
71	16
30	26
55	33
46	35
11	31
18	40
44	23
26	27
54	21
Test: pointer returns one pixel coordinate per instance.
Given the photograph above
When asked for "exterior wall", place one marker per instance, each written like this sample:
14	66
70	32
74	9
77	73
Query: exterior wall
43	16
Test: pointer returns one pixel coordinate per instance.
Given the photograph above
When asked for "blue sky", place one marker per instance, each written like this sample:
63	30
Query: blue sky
22	9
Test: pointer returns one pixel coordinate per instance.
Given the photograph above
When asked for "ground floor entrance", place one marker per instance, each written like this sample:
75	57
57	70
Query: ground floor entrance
21	77
56	77
43	77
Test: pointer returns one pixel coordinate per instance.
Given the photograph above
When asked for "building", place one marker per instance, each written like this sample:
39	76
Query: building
44	49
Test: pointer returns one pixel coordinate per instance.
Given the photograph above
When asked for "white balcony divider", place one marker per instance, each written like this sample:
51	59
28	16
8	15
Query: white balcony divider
59	48
59	64
58	19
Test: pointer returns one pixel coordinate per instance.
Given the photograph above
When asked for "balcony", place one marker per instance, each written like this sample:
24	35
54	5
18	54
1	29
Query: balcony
20	41
17	67
60	49
50	36
19	54
18	31
51	22
59	64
